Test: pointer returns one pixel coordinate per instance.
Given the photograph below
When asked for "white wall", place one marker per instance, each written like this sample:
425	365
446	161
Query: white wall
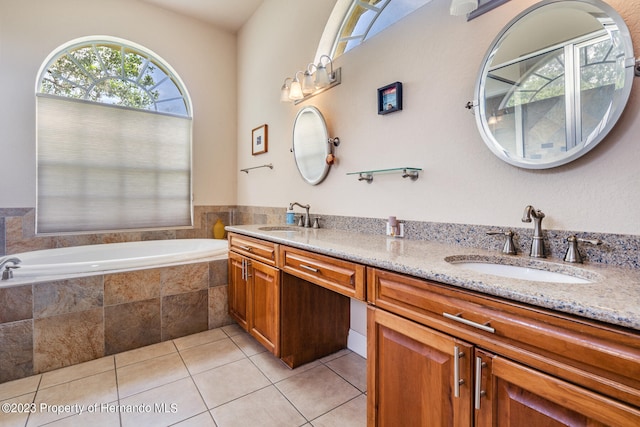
437	57
204	57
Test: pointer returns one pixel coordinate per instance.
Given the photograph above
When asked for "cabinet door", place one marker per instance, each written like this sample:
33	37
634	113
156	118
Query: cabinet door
264	321
523	396
238	289
416	376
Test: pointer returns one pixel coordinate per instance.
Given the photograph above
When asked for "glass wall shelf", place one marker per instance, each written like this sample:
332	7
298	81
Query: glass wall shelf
412	173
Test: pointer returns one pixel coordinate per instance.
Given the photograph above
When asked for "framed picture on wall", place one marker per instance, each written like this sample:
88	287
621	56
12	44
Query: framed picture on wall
259	140
390	98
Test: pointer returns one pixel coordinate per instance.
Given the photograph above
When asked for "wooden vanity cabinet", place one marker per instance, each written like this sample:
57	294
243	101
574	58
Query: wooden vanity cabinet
293	318
444	356
238	293
524	396
254	291
412	372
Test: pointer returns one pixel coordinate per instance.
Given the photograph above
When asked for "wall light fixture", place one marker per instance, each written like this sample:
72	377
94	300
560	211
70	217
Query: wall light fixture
315	79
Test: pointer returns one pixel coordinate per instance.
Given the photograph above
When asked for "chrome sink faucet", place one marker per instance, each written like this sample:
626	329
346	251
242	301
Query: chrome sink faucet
537	244
307	219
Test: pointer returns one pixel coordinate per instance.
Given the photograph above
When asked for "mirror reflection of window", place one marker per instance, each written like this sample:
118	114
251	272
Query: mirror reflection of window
548	102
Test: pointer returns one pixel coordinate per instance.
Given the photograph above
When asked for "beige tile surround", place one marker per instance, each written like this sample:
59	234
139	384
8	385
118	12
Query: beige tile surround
49	325
55	324
219	378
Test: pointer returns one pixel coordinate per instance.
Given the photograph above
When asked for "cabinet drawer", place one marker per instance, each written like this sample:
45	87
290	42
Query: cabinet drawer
344	277
596	356
259	250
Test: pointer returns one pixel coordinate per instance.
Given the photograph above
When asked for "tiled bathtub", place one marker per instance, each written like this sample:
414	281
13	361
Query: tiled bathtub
51	324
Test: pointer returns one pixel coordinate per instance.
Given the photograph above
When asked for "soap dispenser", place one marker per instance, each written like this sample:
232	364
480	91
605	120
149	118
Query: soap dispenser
291	218
218	229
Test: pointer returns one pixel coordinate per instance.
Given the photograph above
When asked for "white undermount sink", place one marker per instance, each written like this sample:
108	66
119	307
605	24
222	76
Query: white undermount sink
533	271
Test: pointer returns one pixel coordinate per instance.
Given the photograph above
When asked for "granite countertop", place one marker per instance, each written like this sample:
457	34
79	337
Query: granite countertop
613	296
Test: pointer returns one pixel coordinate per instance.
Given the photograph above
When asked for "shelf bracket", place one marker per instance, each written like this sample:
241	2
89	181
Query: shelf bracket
413	174
363	176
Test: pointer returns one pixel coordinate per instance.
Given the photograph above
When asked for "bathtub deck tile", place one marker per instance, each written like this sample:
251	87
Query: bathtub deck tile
68	339
185	314
218	273
132	325
16	351
131	286
16	303
184	278
67	296
219	307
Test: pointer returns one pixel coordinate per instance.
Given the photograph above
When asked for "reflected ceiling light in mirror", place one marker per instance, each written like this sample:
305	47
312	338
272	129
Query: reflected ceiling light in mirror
312	82
462	7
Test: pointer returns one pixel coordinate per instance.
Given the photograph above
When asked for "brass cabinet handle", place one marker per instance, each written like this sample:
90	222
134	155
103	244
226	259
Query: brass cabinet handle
457	382
312	269
458	318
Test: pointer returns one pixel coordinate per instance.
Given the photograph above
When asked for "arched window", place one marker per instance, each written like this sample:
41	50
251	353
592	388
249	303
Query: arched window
365	18
113	140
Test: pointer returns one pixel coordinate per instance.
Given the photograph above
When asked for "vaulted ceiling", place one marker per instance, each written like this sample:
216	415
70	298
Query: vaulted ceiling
229	15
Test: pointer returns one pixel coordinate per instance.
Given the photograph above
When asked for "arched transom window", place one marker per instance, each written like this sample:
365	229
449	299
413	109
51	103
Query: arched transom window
113	140
110	72
365	18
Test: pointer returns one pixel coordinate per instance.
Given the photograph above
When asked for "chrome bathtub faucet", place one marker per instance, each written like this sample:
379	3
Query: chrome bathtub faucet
537	244
8	269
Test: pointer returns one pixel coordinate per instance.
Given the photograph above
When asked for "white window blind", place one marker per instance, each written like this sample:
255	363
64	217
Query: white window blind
103	167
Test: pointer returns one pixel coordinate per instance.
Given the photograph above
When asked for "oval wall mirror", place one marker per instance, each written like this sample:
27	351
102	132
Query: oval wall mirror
311	145
554	82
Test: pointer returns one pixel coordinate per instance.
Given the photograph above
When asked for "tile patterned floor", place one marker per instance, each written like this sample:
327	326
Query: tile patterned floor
217	378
